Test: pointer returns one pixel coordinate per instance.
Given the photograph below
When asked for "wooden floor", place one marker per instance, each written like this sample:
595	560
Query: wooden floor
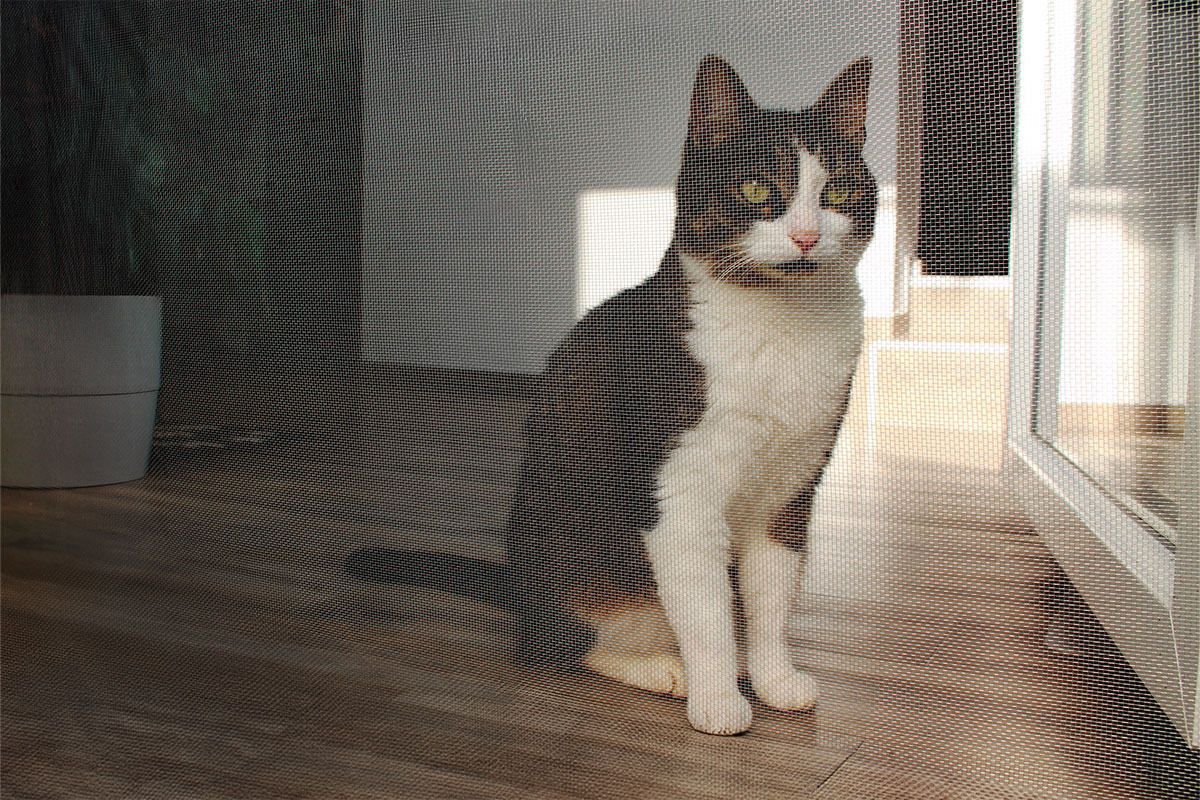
191	634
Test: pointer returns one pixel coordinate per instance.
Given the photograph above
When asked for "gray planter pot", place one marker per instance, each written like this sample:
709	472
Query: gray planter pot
79	379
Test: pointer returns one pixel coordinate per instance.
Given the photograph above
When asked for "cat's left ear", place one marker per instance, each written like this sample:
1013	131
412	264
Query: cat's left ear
844	103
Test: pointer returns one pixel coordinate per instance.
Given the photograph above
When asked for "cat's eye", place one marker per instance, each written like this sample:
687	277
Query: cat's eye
755	191
838	193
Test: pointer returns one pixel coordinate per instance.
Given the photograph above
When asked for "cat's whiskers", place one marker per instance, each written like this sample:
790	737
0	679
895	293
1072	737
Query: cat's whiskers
734	260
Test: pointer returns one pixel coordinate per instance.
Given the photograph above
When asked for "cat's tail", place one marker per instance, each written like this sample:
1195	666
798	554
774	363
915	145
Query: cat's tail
473	578
544	634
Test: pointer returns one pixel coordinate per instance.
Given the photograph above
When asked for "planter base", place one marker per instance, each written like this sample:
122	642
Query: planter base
81	440
80	378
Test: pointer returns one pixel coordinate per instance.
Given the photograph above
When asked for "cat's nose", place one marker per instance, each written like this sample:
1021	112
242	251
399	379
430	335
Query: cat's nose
805	240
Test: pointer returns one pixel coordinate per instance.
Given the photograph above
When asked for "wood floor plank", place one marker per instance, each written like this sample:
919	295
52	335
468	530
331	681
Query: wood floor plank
192	635
875	772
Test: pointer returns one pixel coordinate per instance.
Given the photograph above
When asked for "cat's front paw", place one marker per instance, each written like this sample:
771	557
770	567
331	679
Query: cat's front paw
720	713
794	691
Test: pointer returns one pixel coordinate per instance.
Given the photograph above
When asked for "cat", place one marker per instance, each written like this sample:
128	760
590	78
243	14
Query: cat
680	430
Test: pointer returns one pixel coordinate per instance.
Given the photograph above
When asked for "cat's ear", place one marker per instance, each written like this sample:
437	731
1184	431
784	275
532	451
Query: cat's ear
720	103
844	103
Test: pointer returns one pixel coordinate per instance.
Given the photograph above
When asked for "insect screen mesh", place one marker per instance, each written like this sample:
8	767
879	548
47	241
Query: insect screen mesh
387	545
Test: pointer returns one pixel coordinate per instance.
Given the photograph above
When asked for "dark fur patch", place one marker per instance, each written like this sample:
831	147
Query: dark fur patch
615	397
790	526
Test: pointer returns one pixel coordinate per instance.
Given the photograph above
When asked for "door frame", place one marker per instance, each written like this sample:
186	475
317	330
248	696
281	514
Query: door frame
1143	589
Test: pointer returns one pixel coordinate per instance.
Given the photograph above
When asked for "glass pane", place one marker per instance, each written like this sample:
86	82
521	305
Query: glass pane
1130	254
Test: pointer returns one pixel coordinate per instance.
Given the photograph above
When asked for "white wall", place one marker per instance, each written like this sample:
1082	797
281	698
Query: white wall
483	123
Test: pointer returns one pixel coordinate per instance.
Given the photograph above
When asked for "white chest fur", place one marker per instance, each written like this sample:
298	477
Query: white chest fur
780	363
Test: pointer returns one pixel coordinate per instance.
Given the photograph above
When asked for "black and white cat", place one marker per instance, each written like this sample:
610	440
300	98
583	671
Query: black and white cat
681	428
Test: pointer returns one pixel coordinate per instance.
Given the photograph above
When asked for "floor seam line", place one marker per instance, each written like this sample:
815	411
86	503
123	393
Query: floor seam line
840	764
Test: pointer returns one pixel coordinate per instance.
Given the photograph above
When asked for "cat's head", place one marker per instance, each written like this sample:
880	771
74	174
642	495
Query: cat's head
775	198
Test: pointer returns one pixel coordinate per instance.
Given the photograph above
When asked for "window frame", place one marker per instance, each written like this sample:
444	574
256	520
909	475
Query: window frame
1141	587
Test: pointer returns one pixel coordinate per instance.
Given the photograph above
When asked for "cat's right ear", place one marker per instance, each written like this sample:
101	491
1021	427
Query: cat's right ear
720	103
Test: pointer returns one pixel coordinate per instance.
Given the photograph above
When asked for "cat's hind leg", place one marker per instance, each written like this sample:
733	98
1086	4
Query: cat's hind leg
634	645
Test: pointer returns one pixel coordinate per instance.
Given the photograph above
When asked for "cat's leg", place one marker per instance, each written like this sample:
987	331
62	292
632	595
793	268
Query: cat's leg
689	550
767	578
769	568
634	645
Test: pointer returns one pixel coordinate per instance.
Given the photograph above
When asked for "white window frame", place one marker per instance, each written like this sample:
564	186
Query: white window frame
1143	589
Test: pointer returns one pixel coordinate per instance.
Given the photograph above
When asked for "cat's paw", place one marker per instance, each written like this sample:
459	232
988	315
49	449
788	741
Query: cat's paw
661	674
720	713
795	691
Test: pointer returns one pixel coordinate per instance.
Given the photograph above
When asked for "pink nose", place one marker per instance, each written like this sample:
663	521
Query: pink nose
805	240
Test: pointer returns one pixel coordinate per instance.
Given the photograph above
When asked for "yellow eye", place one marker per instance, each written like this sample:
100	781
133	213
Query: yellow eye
755	191
837	193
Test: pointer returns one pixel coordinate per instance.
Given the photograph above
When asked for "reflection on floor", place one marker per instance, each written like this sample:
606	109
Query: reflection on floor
191	634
